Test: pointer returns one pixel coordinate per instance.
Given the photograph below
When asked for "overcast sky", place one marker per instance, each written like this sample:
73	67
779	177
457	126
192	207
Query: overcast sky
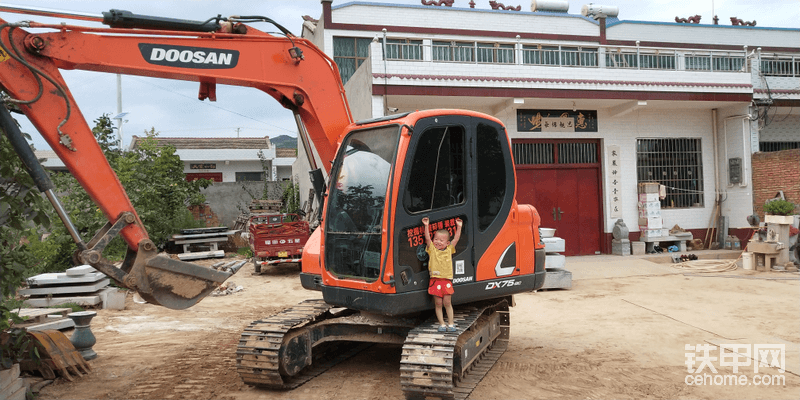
172	108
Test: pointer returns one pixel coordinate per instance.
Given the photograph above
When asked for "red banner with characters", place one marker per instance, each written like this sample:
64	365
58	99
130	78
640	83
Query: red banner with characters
416	235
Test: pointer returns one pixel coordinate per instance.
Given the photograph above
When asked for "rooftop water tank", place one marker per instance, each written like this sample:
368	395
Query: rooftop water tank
550	5
596	11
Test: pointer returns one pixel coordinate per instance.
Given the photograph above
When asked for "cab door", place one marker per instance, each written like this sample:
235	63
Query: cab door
438	183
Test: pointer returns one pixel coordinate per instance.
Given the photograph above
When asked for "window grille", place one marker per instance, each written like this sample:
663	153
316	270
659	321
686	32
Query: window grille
777	146
555	153
349	53
577	153
676	164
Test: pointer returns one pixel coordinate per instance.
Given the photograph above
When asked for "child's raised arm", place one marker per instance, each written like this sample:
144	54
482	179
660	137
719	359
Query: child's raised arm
457	236
426	221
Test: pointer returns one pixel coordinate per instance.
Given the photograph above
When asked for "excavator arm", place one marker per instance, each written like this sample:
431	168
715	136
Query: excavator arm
290	69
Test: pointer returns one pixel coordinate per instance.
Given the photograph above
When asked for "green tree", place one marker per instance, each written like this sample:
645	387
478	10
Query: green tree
22	211
155	183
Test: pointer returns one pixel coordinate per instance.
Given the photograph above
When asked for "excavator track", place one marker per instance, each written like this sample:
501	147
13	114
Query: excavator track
435	364
258	355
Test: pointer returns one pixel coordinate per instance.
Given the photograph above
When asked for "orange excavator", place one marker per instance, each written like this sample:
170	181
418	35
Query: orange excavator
385	174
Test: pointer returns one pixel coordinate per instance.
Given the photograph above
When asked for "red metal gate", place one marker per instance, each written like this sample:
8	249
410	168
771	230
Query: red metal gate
561	178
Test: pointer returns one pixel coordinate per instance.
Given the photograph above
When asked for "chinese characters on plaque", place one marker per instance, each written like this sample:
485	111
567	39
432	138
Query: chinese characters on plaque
615	185
556	121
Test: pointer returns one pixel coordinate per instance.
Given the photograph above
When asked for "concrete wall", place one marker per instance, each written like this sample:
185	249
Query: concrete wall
228	199
359	88
773	172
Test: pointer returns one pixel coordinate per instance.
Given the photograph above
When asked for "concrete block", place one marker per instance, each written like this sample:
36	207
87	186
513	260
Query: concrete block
19	394
557	279
554	245
114	299
555	261
201	255
638	248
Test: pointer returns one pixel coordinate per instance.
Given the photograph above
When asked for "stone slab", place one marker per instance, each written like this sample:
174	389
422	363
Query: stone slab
201	255
203	235
62	278
40	314
557	279
91	300
50	290
7	376
64	323
10	391
80	270
19	394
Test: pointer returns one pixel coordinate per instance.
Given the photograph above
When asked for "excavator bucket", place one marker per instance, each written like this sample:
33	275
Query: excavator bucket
56	355
177	284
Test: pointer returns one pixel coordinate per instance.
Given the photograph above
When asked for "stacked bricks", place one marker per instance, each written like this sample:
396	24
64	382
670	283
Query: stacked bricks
205	213
773	172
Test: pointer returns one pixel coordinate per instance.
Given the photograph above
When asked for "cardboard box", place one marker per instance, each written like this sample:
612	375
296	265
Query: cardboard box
652	233
649	187
649	213
648	197
650	205
651	223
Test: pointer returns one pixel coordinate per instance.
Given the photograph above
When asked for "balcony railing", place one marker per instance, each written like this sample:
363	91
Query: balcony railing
614	57
780	66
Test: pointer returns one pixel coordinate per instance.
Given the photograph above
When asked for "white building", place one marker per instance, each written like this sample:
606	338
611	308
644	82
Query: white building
594	105
229	159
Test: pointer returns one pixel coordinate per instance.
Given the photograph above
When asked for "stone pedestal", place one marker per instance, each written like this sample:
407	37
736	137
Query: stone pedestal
621	247
83	339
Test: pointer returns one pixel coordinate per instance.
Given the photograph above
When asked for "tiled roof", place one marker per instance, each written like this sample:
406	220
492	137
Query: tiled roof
209	143
287	153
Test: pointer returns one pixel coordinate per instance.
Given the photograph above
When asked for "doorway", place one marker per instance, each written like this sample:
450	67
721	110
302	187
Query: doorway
561	178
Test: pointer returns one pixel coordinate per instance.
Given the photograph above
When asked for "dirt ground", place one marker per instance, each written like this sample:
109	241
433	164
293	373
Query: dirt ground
606	338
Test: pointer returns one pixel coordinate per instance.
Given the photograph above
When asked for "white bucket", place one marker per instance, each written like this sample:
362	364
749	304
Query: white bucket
747	260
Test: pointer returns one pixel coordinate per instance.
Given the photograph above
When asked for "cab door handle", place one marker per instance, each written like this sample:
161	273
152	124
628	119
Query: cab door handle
559	213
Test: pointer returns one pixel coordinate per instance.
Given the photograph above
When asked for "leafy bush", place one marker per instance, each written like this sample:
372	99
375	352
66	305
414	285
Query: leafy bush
22	210
779	207
155	183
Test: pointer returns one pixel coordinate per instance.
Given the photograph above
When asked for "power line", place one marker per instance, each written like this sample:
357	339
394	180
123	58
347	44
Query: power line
213	105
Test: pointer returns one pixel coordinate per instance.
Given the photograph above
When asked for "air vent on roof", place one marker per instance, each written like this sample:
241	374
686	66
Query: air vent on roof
597	11
550	5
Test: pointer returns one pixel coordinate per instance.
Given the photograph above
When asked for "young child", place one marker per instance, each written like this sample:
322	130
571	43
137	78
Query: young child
440	265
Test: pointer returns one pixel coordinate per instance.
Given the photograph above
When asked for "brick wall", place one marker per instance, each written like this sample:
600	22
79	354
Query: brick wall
773	172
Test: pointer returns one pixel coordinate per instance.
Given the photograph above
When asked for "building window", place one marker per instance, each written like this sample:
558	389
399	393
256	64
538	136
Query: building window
676	164
495	53
454	51
777	146
349	53
249	176
403	49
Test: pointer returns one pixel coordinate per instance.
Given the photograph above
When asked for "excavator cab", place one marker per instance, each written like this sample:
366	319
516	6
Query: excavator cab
391	172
